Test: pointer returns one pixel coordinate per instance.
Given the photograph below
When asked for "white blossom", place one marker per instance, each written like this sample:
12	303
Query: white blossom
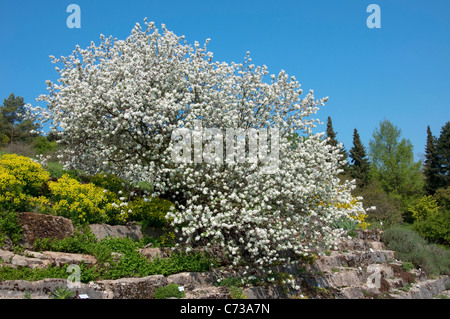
116	105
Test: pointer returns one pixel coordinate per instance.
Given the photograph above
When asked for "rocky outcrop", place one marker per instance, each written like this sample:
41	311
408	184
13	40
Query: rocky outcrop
360	268
35	225
101	231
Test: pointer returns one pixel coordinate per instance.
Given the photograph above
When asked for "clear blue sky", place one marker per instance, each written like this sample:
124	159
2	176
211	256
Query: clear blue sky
400	72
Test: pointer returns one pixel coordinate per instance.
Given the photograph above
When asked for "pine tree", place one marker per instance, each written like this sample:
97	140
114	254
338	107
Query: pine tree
443	151
431	166
331	134
359	169
14	125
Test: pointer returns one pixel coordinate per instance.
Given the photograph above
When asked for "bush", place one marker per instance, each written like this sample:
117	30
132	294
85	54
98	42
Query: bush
109	182
410	247
388	209
86	203
22	182
442	196
436	227
171	290
426	206
151	212
29	173
43	146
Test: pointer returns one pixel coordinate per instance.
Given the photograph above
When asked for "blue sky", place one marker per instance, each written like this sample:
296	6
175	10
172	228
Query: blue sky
400	72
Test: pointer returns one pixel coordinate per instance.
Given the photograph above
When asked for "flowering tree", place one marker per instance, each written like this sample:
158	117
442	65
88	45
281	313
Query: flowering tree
117	105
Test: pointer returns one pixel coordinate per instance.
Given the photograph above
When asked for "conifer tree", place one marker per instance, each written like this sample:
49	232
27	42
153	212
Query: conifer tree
331	134
443	151
359	168
431	166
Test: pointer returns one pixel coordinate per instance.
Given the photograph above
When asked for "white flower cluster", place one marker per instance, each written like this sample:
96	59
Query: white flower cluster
115	108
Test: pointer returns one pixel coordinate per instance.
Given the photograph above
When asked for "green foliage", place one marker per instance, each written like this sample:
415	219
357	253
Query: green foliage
393	162
425	207
407	266
10	227
62	293
359	169
331	134
436	227
56	170
237	293
130	264
43	146
171	290
109	182
151	211
388	208
83	241
431	165
443	151
442	196
12	121
411	247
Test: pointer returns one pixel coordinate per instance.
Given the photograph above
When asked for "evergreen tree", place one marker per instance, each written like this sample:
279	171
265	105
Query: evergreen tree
359	169
331	134
431	166
13	122
443	151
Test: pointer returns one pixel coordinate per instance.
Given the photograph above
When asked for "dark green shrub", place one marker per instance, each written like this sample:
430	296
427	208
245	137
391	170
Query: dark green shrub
388	209
442	196
43	146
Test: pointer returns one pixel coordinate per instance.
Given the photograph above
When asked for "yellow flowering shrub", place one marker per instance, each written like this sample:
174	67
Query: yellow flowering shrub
30	174
86	203
21	182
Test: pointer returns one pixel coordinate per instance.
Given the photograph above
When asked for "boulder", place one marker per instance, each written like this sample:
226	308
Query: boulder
101	231
132	288
35	225
59	258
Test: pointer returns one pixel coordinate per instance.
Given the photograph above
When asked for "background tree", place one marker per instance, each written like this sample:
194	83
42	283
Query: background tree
393	162
359	168
331	134
13	121
431	168
443	151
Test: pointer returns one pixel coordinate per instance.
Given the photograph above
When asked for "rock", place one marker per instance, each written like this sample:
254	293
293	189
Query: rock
59	259
30	262
133	288
189	280
208	293
120	231
35	225
6	256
